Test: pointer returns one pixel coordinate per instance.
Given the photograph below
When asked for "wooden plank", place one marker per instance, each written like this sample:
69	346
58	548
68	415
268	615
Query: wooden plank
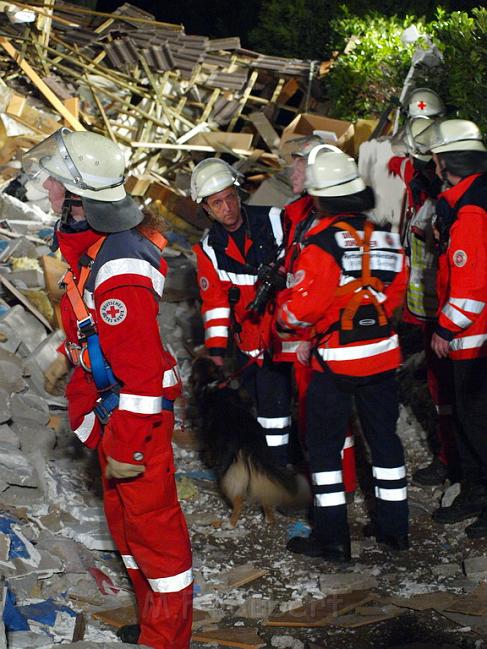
53	269
72	104
438	600
236	637
243	101
239	576
265	129
40	85
320	612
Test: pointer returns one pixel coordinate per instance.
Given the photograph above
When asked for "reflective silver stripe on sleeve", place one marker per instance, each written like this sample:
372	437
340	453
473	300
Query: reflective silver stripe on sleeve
86	428
140	404
468	342
170	378
234	278
291	318
277	440
216	332
274	422
128	266
391	494
330	500
288	347
253	353
383	473
172	584
216	314
276	224
474	306
327	477
359	351
88	299
129	562
456	316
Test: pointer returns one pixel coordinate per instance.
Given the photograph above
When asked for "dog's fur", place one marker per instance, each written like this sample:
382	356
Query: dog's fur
233	445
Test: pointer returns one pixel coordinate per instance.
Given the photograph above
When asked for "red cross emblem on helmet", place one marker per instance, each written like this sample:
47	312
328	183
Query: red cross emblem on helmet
421	105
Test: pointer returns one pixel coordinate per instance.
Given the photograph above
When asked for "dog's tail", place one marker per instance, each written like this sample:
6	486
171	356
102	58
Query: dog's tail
271	485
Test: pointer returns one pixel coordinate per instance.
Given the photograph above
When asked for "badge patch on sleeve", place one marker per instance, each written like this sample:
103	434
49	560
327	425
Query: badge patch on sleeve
113	312
460	258
204	284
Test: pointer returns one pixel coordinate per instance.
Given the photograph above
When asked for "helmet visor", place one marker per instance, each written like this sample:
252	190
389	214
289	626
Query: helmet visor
52	158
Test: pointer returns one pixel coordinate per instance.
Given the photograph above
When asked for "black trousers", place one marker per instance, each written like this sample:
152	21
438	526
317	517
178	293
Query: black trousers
329	407
269	386
470	378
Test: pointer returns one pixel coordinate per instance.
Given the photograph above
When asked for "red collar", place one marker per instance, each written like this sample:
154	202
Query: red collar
299	209
454	194
74	245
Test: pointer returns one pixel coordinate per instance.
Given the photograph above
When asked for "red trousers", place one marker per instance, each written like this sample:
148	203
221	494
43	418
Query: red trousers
302	374
149	530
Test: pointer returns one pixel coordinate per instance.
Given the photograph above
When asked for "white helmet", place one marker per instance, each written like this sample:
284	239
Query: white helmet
423	102
211	176
404	142
331	172
450	135
87	164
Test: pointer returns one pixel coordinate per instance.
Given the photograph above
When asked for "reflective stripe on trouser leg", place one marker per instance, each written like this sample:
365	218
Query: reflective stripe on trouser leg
158	540
328	412
378	410
273	391
114	515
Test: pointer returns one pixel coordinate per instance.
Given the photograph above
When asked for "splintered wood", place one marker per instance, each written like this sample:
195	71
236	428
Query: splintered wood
168	98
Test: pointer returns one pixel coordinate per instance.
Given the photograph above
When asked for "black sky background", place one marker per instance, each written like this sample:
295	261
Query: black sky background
222	18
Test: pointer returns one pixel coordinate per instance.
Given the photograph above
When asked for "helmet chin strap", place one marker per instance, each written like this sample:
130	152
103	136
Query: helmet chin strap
70	200
444	175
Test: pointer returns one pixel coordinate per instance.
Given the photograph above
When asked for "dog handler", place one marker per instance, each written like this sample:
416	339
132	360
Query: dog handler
119	395
241	240
347	282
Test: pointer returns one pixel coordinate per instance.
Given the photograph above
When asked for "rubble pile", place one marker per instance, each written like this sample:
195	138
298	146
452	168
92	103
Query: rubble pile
168	98
165	96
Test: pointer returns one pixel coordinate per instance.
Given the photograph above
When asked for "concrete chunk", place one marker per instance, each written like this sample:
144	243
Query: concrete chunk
15	468
33	331
29	408
5	413
8	436
476	568
34	437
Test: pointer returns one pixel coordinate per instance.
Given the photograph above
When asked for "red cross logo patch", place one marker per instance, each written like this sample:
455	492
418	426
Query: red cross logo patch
421	105
113	312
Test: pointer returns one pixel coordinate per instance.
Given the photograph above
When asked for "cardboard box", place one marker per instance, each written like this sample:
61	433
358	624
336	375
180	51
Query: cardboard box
340	132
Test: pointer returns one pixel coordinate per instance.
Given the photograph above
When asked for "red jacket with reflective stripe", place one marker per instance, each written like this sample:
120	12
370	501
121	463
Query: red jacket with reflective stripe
295	215
462	275
311	306
221	266
122	294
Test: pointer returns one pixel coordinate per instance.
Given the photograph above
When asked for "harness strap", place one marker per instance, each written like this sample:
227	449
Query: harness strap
361	286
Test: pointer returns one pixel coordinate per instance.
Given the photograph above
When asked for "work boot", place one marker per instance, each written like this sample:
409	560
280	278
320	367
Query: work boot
478	530
314	546
434	474
469	503
396	542
129	633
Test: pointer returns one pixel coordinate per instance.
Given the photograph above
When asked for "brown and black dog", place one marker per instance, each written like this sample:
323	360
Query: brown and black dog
234	446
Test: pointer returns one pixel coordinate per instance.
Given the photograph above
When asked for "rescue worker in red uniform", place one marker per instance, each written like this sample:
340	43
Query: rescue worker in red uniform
348	281
421	304
242	239
298	217
130	422
461	333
